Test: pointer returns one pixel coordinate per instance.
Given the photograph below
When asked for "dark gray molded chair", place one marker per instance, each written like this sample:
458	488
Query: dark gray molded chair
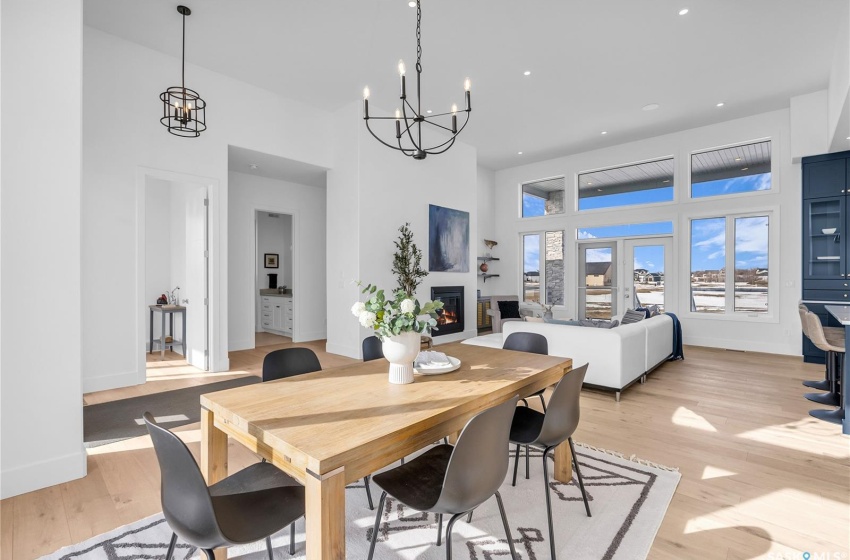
245	507
546	431
372	349
528	342
289	362
455	479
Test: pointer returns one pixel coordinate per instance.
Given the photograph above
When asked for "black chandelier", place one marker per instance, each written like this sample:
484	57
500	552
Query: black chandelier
408	127
183	110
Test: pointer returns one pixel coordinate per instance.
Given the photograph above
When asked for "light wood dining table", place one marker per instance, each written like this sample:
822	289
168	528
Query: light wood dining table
331	428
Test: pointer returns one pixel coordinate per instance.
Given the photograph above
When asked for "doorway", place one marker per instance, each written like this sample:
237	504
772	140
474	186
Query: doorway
176	270
597	280
646	263
274	278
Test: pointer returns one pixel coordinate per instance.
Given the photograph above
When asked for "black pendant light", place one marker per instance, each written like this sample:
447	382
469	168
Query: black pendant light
183	110
409	119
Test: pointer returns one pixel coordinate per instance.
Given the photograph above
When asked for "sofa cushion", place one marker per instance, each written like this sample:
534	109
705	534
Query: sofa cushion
509	309
632	316
599	323
569	322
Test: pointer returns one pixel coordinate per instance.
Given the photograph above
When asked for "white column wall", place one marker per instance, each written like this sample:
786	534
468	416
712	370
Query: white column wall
41	416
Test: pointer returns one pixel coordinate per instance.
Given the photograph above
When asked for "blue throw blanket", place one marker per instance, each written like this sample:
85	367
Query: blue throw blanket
678	354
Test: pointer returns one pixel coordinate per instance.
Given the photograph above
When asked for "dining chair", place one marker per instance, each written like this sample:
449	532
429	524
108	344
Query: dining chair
546	431
454	480
288	362
372	349
245	507
528	342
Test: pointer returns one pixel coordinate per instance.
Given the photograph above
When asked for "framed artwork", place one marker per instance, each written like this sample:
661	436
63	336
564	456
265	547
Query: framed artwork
272	260
448	239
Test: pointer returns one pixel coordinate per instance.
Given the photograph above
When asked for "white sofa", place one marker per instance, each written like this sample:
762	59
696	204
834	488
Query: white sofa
618	357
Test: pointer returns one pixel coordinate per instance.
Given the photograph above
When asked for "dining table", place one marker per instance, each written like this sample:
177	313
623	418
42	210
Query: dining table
333	427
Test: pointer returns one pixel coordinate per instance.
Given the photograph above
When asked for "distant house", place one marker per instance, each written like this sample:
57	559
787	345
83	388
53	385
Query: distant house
598	273
709	275
532	276
640	275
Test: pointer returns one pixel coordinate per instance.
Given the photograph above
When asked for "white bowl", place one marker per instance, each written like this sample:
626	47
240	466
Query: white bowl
829	231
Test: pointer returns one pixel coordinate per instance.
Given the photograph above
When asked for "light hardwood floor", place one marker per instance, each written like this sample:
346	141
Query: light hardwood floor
759	475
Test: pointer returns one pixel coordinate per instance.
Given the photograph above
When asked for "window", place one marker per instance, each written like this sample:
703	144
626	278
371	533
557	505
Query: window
551	276
628	185
737	243
626	230
732	170
542	198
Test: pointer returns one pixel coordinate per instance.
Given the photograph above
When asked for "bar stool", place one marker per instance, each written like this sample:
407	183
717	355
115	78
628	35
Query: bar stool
835	364
824	384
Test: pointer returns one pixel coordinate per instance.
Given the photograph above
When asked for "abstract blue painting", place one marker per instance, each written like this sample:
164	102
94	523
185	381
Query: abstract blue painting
448	239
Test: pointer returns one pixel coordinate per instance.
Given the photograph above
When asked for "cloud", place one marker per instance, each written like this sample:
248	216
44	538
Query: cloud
583	234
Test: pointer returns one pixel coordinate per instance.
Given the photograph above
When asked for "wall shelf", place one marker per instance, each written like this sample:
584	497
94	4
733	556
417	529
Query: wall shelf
485	276
487	259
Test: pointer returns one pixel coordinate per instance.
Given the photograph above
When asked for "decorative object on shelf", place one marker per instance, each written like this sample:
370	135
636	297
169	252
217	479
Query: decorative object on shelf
162	300
829	231
448	239
490	243
547	311
174	296
484	267
410	125
407	262
397	323
183	110
272	260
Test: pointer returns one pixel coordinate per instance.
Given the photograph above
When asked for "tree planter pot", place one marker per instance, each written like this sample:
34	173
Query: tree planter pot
400	351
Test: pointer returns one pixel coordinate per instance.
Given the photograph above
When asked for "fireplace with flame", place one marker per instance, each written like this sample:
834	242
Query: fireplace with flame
450	318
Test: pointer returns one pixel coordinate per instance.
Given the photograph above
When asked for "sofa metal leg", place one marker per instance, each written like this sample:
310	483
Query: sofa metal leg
643	379
617	396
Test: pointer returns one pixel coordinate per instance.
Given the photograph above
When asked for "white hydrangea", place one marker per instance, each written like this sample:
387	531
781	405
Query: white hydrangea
358	308
407	306
367	319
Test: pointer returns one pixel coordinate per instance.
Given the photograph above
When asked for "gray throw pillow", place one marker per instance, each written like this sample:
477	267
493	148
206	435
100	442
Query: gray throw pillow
632	316
599	323
653	310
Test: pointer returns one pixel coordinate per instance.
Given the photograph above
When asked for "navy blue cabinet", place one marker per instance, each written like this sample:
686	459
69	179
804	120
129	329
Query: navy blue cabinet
826	224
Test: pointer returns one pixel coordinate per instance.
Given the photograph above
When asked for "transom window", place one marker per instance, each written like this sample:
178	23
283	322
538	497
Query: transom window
628	185
543	198
737	169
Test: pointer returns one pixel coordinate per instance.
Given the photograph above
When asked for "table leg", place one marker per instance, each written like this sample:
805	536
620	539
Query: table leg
185	351
453	437
162	338
563	463
213	458
325	516
150	345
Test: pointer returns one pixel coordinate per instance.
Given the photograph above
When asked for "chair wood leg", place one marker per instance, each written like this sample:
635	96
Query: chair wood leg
505	524
171	546
377	525
269	548
516	464
368	492
578	475
548	503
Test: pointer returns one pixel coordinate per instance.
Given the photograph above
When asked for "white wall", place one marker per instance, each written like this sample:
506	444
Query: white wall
809	125
123	80
486	225
274	235
306	205
779	333
839	87
40	365
369	197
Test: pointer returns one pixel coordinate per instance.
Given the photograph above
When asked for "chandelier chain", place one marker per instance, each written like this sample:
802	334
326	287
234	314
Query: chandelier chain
183	62
418	37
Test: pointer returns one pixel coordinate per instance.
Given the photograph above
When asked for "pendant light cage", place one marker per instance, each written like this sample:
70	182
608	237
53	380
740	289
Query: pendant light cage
183	110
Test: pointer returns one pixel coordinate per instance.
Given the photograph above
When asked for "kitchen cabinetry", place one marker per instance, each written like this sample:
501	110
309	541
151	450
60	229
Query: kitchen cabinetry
826	271
277	314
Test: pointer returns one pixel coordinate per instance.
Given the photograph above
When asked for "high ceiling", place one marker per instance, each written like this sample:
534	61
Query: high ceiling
593	64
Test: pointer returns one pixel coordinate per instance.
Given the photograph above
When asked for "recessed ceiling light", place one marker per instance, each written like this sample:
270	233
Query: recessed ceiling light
598	190
737	159
666	180
744	168
604	132
527	73
253	166
429	111
519	153
412	4
590	182
683	11
721	104
651	107
848	137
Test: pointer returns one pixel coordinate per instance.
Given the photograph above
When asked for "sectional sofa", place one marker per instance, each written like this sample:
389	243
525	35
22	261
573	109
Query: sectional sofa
618	357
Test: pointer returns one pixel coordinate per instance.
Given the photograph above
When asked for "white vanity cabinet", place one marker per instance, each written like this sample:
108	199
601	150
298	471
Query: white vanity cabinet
277	314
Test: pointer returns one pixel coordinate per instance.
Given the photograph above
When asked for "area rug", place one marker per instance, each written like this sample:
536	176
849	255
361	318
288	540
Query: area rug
628	500
122	419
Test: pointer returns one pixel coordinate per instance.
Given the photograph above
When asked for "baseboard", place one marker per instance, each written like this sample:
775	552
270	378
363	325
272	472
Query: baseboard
308	336
114	381
235	345
744	345
42	474
341	350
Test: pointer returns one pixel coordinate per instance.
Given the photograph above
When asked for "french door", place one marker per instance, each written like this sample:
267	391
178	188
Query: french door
597	280
645	279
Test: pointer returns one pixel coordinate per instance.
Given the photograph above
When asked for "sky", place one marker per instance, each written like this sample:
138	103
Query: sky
708	236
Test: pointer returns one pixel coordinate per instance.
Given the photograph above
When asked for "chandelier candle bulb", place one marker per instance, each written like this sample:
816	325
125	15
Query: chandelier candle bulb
454	118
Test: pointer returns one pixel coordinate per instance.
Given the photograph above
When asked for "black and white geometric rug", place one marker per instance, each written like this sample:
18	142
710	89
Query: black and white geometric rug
628	500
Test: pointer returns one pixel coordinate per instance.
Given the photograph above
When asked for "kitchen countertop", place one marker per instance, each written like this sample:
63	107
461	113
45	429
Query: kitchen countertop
278	295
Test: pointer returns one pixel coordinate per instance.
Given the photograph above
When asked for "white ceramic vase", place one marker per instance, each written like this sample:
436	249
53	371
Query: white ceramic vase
400	351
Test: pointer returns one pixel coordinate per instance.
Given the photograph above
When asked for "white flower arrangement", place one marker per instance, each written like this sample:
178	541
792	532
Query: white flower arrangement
391	317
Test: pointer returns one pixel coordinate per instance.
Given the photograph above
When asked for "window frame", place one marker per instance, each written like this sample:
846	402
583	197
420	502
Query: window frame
521	193
774	173
773	260
591	211
542	266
